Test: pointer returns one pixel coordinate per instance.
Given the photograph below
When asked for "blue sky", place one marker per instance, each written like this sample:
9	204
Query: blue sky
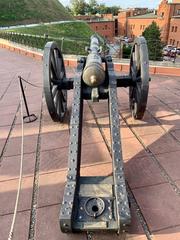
125	3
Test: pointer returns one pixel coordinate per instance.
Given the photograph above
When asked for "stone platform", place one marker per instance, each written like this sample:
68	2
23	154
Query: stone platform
151	153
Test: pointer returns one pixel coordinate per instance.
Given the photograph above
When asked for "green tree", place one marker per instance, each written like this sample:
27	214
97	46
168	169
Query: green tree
114	10
102	9
153	36
92	7
78	7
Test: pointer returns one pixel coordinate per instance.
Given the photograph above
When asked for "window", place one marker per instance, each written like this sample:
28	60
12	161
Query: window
172	29
106	27
170	41
96	27
173	42
162	14
140	27
177	43
178	12
175	29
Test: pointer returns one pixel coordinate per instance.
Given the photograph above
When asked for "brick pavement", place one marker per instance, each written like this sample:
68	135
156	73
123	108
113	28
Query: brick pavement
151	152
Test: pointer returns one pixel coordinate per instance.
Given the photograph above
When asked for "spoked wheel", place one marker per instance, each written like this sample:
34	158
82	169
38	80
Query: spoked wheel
54	72
139	71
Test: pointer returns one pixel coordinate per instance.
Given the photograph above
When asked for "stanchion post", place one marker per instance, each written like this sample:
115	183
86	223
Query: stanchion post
30	117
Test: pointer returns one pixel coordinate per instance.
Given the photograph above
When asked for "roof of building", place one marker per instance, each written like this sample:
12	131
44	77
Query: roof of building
148	15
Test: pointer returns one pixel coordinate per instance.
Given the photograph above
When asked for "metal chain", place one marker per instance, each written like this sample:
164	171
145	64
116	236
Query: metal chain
32	84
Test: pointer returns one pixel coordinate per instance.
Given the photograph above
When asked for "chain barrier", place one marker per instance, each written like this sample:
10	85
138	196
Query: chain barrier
32	84
32	118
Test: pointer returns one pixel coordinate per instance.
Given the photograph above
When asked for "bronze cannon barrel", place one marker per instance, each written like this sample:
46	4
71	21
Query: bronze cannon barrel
93	73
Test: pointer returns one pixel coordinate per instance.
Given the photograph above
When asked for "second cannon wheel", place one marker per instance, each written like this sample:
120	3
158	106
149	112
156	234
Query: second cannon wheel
54	73
139	72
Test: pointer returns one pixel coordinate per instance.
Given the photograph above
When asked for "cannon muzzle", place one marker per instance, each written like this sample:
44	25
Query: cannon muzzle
93	74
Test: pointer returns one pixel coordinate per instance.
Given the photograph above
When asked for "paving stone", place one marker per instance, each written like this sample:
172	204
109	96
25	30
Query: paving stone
160	206
169	97
6	119
14	145
4	132
53	140
29	129
172	233
175	107
176	134
131	148
47	225
8	109
2	144
160	111
50	126
125	132
10	166
100	107
91	133
94	153
148	129
170	162
87	114
103	122
8	191
153	101
142	172
54	160
159	143
103	169
171	122
51	188
21	227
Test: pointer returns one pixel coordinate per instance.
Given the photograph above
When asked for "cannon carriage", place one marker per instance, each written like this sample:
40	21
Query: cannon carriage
95	203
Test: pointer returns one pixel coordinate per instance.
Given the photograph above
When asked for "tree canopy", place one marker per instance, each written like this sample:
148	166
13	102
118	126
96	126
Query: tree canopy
77	7
81	7
153	36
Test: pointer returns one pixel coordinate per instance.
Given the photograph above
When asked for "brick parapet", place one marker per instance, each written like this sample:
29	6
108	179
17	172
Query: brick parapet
71	60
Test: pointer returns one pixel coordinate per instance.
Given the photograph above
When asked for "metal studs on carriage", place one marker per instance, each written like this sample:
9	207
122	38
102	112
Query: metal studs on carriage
95	203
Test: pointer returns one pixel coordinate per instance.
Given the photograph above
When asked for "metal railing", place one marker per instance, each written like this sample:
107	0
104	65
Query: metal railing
68	45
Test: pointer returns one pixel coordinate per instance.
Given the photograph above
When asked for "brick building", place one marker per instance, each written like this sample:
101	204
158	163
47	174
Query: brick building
104	24
167	16
174	31
133	21
104	28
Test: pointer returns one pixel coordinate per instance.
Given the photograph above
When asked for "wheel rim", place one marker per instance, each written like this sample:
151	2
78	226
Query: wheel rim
139	71
54	72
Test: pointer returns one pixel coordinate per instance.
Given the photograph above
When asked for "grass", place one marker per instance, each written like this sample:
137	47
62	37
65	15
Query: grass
15	12
73	30
76	36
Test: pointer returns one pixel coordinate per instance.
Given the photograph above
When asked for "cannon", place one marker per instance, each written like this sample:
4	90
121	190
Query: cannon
95	203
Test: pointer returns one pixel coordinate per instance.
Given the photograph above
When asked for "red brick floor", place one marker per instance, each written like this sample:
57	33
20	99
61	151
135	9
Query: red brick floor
151	154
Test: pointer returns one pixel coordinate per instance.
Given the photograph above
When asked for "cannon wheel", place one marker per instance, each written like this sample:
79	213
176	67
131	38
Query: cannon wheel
139	71
54	72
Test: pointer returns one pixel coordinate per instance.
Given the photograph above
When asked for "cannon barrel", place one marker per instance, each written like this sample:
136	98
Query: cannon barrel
93	73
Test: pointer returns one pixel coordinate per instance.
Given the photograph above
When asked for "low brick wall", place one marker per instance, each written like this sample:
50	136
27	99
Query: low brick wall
72	60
